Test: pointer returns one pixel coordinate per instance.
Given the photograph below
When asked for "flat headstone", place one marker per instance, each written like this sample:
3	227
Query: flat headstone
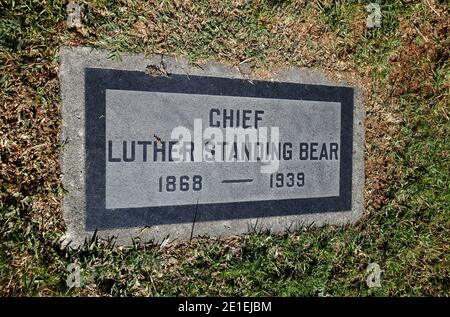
159	149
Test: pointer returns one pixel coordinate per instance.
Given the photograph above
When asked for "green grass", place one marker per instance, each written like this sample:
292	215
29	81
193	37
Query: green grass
406	226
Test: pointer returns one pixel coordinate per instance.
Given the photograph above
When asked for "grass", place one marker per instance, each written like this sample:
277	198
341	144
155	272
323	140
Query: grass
402	66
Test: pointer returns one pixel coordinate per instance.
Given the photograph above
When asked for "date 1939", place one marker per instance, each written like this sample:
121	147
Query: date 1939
280	180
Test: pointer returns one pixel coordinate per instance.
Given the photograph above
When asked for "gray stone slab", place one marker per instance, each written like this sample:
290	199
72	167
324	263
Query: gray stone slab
123	176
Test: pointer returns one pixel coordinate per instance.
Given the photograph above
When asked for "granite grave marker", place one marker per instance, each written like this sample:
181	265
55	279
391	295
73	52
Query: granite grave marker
185	151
